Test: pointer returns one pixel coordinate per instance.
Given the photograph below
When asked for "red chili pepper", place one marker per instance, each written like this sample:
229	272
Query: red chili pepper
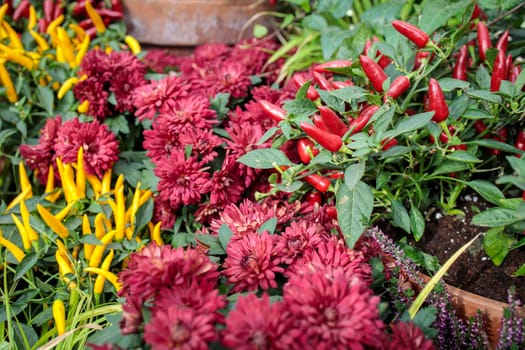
436	101
112	15
484	42
461	147
336	174
514	73
420	56
319	122
412	33
521	139
299	80
383	60
478	13
342	84
79	8
323	83
42	25
460	68
314	198
116	5
306	150
332	121
362	120
373	71
327	66
499	71
273	111
331	212
331	142
49	7
503	42
523	197
320	183
479	126
59	9
22	10
387	144
86	23
398	87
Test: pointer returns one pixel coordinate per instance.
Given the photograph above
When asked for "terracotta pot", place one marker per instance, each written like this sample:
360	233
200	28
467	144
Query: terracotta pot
192	22
467	304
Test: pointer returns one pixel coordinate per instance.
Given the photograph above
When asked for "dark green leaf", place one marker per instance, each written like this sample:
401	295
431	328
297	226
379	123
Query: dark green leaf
493	144
382	119
354	173
269	225
332	39
144	215
225	234
25	336
220	104
449	84
331	101
349	93
475	114
409	124
496	217
487	190
300	107
46	97
417	222
354	208
497	244
395	151
424	319
267	135
463	156
436	13
118	125
450	166
215	246
336	8
25	265
113	334
520	81
484	95
301	93
289	187
264	159
400	217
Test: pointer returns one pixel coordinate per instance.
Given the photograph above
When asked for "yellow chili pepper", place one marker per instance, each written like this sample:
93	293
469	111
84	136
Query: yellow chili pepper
155	234
110	276
64	42
63	213
98	288
81	174
14	40
19	58
86	230
95	183
82	50
106	182
66	86
74	254
132	210
120	214
95	18
100	230
79	31
83	108
68	183
51	28
60	54
59	315
40	41
53	222
133	44
3	11
5	78
12	248
119	183
144	197
24	179
17	199
31	23
26	220
26	242
96	256
65	268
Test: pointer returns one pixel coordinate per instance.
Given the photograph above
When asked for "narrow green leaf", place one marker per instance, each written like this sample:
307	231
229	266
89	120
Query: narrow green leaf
300	107
269	225
400	217
463	156
417	222
487	190
484	95
354	208
450	166
498	244
46	97
354	173
493	144
495	217
213	242
225	234
25	265
412	123
264	159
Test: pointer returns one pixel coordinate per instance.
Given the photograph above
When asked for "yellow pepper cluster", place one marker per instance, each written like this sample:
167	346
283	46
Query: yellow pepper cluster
77	186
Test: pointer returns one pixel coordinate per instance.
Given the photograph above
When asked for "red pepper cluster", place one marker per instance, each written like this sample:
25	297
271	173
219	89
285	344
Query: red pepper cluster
109	14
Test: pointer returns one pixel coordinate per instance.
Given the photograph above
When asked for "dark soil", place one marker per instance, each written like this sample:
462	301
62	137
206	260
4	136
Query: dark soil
473	271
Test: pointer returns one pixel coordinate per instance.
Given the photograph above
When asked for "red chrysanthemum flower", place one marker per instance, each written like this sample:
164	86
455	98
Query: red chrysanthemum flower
227	186
41	156
331	312
100	145
180	328
127	74
255	324
334	253
161	61
252	262
131	314
189	112
156	267
407	336
229	77
160	141
203	143
253	53
300	237
164	212
181	180
210	54
92	90
158	95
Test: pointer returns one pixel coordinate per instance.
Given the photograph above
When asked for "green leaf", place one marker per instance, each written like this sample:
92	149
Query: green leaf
395	151
354	173
46	97
519	272
354	208
336	8
25	265
520	81
495	217
118	125
463	156
497	244
220	104
487	190
259	30
424	320
144	215
225	235
436	13
269	225
25	336
407	125
213	242
264	159
113	334
475	114
417	222
493	144
449	84
300	108
332	39
331	101
484	95
450	166
349	93
400	217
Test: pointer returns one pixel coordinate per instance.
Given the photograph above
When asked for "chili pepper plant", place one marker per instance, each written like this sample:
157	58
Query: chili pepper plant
429	112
